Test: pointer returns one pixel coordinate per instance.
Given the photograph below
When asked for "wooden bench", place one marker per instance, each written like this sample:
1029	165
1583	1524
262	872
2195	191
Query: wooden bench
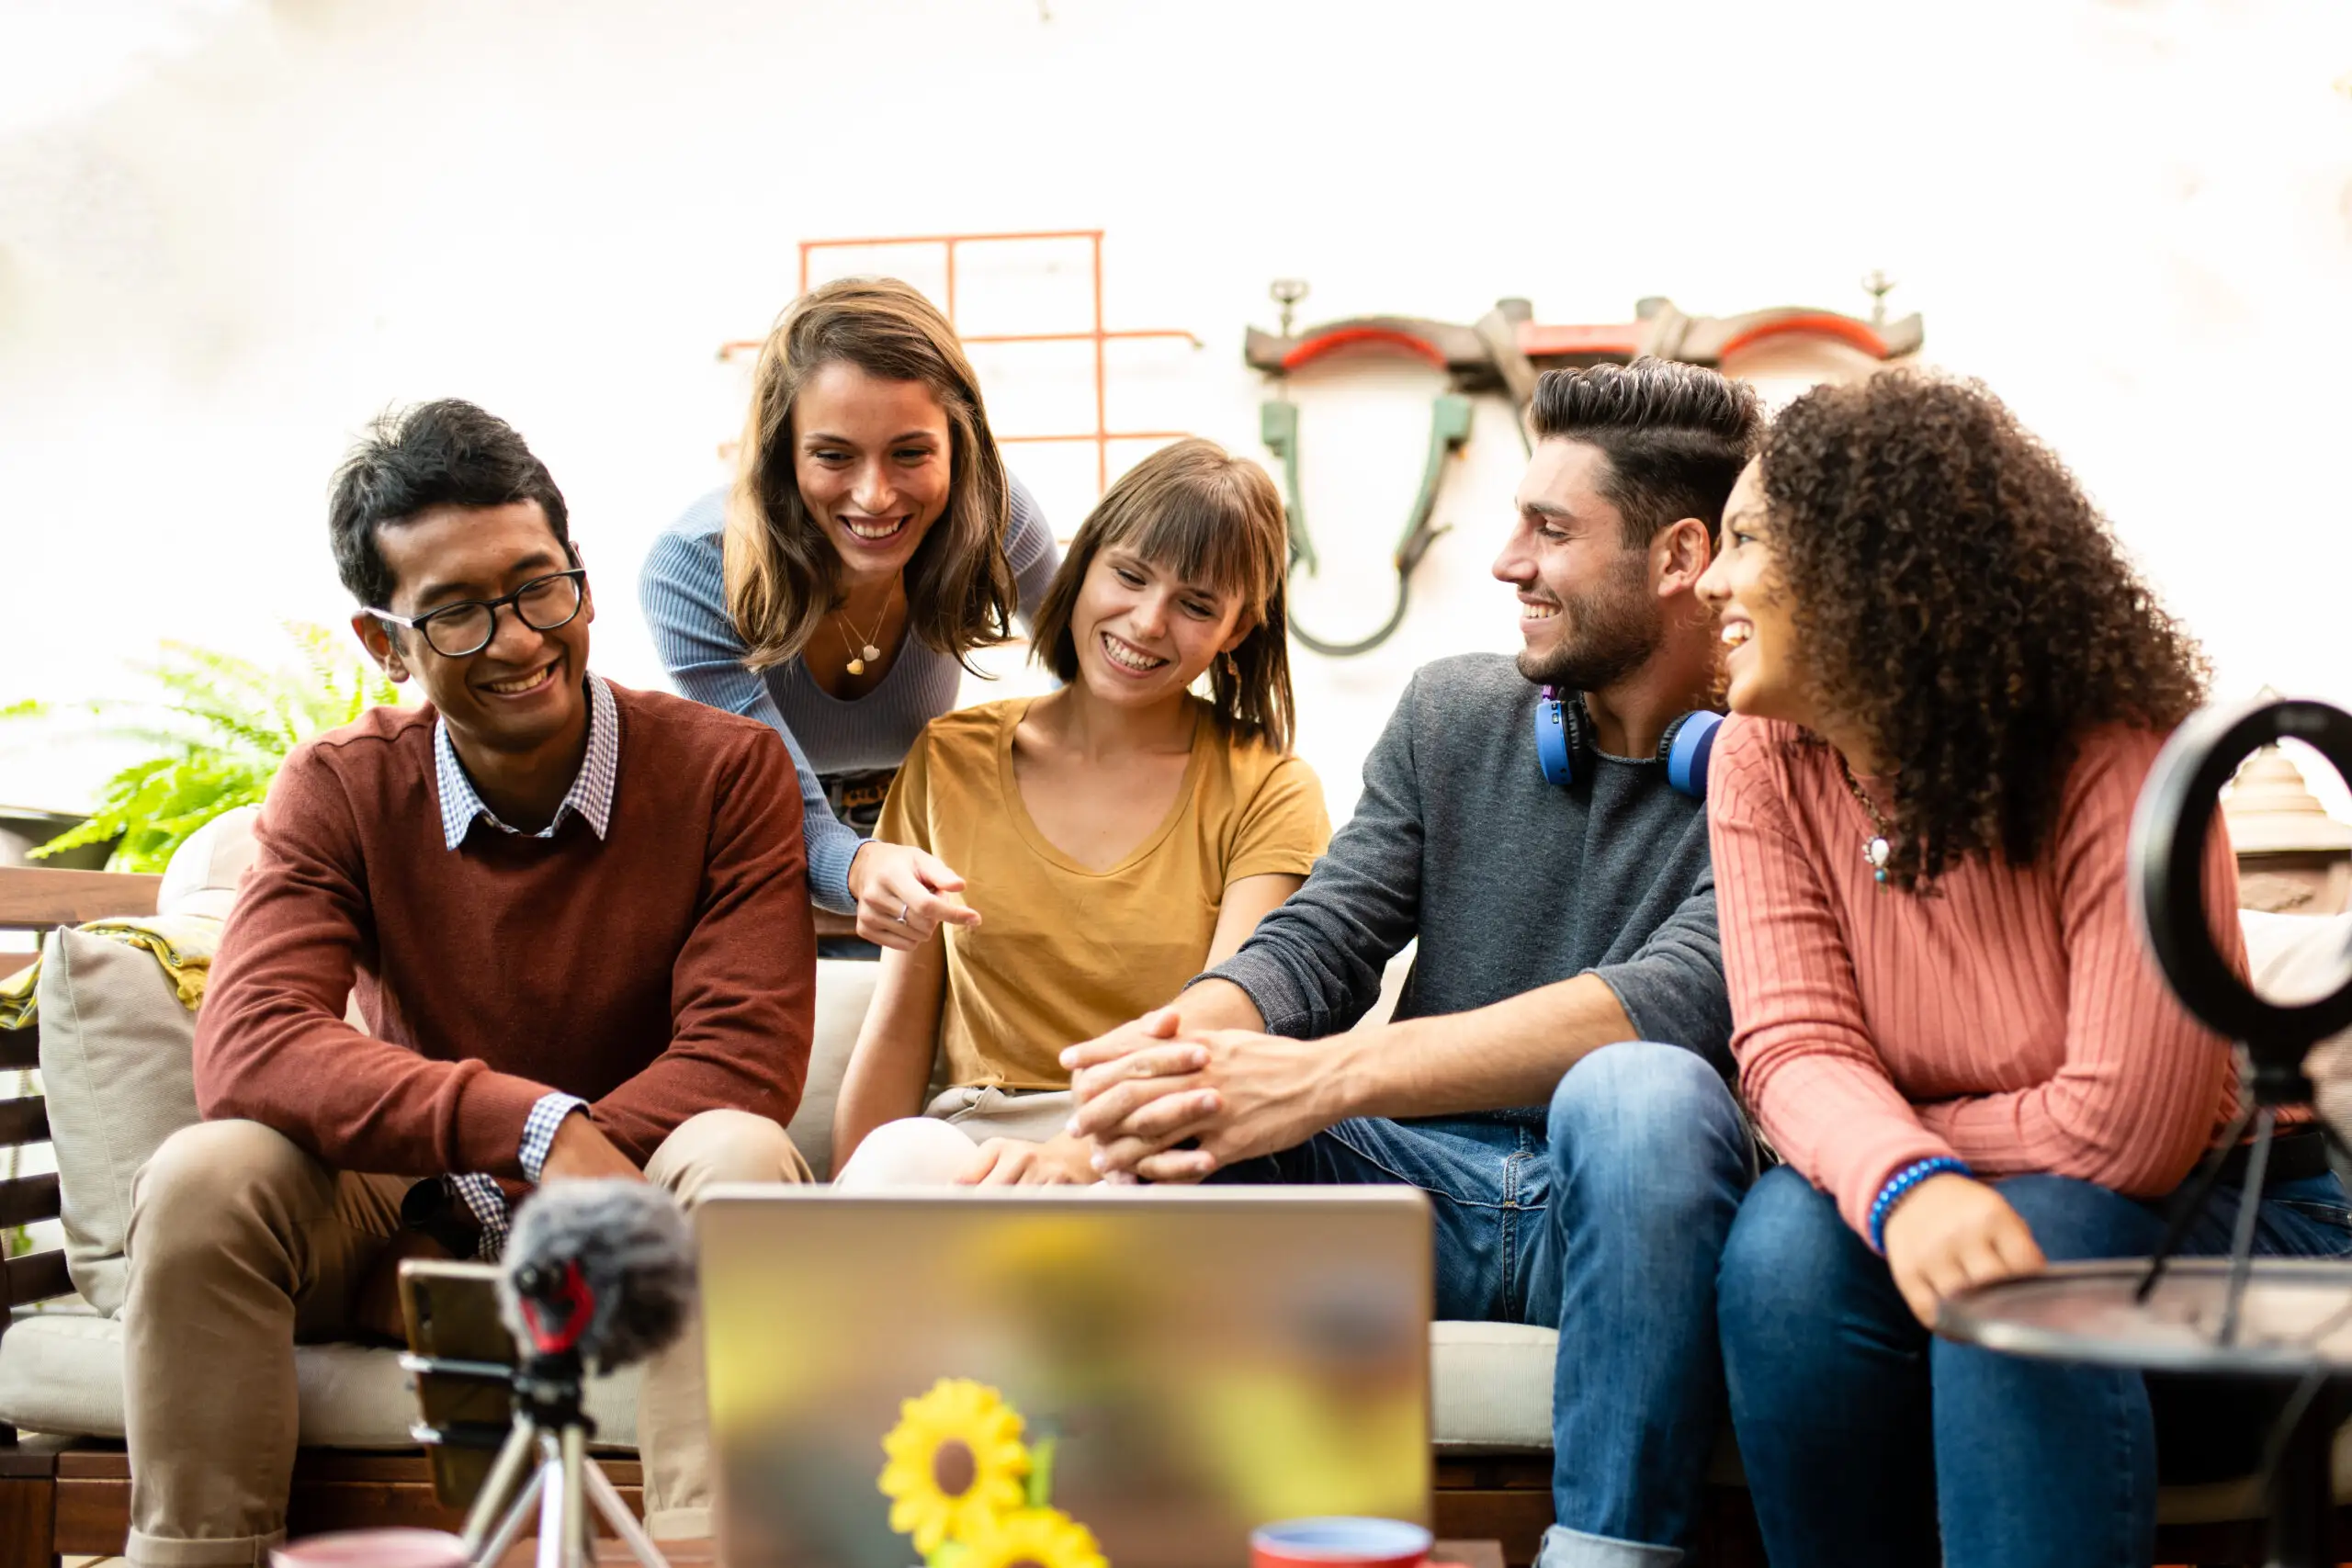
71	1497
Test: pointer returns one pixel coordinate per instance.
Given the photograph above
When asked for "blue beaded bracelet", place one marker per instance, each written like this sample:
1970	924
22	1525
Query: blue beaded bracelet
1902	1181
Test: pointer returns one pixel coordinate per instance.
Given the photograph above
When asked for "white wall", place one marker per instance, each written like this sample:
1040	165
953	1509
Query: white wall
231	231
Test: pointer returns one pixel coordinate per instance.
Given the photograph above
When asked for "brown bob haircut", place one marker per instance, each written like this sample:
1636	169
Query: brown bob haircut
1212	518
783	574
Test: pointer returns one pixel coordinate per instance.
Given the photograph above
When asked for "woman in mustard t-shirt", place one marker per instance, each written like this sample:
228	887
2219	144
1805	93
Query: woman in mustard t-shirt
1125	833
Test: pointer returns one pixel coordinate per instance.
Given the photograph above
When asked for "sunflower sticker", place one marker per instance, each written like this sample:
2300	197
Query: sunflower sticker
970	1493
1033	1538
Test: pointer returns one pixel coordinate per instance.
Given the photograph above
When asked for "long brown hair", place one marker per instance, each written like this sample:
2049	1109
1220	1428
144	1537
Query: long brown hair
1194	509
783	574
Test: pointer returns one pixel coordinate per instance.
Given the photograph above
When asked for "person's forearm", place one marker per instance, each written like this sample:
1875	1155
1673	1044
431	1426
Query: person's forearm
1216	1004
869	1099
1510	1053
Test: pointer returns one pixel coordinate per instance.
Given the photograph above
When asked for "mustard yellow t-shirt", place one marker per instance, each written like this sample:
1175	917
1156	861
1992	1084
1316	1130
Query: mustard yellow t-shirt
1066	953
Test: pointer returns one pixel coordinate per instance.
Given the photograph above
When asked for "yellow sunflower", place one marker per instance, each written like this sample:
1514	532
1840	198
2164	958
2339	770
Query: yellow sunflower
1033	1538
957	1462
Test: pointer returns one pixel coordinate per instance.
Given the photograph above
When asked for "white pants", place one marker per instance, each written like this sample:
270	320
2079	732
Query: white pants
929	1149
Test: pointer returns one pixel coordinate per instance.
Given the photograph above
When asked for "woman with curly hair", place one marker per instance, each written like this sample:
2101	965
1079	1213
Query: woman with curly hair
1948	686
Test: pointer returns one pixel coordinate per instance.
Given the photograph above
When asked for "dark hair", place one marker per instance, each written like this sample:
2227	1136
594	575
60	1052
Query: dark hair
439	454
783	576
1676	437
1957	597
1210	517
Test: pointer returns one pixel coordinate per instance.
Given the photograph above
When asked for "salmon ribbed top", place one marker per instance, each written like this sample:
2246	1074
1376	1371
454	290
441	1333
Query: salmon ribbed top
2008	1015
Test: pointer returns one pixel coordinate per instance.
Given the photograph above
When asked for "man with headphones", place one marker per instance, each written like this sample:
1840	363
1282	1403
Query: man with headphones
1562	1045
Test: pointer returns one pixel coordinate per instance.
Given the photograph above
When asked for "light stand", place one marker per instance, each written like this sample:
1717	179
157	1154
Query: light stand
2169	832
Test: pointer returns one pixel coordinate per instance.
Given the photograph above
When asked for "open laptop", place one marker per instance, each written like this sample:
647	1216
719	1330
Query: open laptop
1204	1361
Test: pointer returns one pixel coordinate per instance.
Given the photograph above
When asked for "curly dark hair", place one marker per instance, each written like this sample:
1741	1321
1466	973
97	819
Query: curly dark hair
1959	598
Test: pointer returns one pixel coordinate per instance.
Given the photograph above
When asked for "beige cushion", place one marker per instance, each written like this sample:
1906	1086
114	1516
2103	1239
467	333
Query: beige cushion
2300	958
63	1373
844	986
114	1064
205	870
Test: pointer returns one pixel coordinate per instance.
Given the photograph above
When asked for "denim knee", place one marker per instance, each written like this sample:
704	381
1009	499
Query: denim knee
1789	1262
1649	1113
2073	1220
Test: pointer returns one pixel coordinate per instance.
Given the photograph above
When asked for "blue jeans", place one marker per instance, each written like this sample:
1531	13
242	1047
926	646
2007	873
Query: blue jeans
1606	1224
1856	1427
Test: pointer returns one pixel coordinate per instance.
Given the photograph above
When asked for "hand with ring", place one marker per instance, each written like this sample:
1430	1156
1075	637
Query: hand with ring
904	895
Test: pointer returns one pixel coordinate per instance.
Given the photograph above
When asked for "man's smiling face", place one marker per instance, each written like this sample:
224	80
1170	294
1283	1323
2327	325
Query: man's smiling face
522	691
1587	613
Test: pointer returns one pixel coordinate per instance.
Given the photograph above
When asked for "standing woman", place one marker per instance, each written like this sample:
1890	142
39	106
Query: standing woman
1949	688
871	541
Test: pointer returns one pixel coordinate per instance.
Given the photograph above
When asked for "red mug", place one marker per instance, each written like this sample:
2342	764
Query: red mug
373	1549
1340	1543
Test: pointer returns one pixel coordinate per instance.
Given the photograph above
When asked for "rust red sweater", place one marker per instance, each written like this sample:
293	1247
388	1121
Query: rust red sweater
2011	1016
665	969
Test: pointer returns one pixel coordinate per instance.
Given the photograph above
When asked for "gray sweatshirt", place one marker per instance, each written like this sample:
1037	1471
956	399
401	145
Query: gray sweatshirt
1510	882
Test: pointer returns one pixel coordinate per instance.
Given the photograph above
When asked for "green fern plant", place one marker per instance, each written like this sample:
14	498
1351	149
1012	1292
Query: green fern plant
222	728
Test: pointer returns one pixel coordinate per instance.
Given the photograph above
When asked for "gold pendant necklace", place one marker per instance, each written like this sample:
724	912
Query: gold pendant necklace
1875	851
864	651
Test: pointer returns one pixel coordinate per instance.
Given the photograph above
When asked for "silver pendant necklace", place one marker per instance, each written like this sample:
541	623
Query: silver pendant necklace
1876	851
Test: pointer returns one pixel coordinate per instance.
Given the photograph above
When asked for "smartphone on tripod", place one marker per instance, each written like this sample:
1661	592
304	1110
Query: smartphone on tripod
461	1362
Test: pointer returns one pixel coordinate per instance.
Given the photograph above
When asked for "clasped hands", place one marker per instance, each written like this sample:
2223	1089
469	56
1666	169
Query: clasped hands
1228	1094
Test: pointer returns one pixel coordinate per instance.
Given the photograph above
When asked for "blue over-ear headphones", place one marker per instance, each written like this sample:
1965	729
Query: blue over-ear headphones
1563	733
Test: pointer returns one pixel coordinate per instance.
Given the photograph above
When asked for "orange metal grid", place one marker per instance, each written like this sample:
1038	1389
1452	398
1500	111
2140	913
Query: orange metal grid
1101	435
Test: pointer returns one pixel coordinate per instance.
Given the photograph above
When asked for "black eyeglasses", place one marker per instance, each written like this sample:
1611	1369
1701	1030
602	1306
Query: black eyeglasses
465	628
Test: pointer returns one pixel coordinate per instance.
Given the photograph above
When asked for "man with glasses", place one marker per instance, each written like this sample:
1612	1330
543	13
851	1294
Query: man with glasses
571	923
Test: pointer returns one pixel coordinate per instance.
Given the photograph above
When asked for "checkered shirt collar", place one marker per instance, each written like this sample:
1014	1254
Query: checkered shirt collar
591	795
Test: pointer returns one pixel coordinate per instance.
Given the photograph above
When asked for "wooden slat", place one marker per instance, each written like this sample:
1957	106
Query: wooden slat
23	1121
1516	1519
405	1467
25	1199
93	1516
33	1455
27	1523
37	1276
35	900
12	961
20	1047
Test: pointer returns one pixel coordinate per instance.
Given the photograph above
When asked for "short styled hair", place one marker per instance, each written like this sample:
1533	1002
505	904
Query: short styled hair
448	453
1198	510
1676	437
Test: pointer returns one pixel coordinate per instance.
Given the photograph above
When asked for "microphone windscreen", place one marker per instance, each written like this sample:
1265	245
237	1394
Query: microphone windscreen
635	1256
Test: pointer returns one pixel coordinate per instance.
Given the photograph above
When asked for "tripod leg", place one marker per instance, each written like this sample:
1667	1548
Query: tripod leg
511	1528
2191	1202
557	1523
580	1544
608	1503
512	1456
2257	1166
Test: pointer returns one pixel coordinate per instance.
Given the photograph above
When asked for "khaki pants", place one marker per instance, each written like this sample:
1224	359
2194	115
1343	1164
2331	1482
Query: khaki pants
241	1246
